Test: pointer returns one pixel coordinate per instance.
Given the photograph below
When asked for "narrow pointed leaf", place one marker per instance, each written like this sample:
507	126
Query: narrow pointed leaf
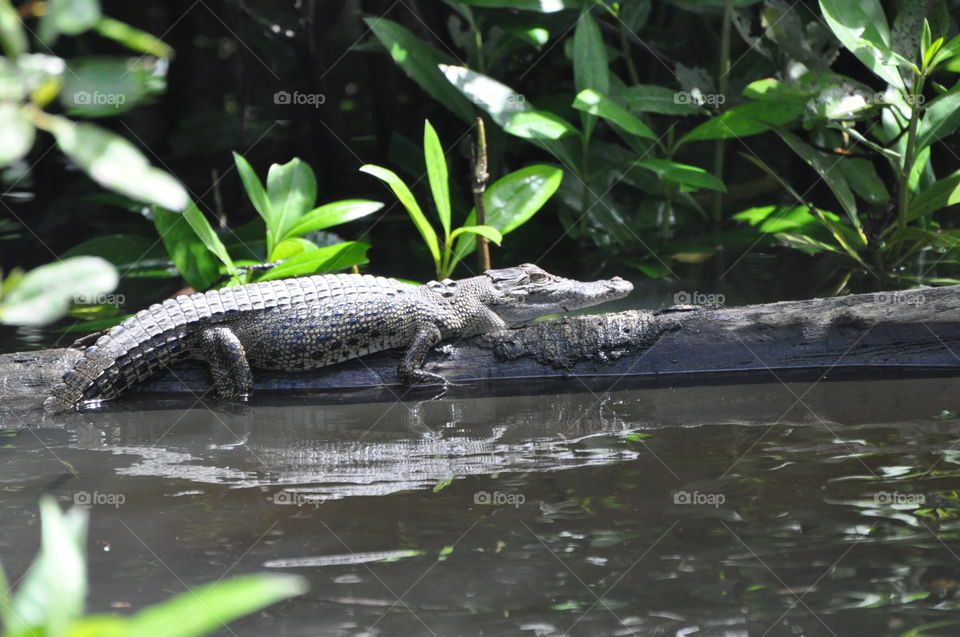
437	175
321	260
333	214
409	202
205	232
595	103
485	231
255	190
204	609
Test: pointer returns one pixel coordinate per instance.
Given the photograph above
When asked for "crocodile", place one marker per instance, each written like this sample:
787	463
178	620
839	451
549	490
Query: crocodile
311	322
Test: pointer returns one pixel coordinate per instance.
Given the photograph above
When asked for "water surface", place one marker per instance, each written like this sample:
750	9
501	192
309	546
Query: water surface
801	509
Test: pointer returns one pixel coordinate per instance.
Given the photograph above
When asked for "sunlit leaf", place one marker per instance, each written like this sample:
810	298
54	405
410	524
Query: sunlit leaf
204	609
437	175
594	103
292	191
333	214
420	62
196	263
255	190
133	38
863	29
202	228
103	86
115	163
409	202
51	594
45	293
942	193
510	201
539	125
489	232
13	37
502	103
16	133
321	260
289	248
543	6
69	17
940	119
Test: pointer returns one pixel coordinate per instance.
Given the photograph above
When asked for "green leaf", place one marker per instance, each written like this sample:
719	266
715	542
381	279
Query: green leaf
289	248
420	62
13	37
827	167
410	203
437	175
589	63
683	174
333	214
502	103
51	595
940	119
45	293
196	264
255	191
133	38
862	28
776	219
106	86
745	120
69	17
292	191
510	201
539	125
204	609
595	103
863	178
489	232
122	250
205	232
542	6
650	98
16	133
115	163
942	193
321	260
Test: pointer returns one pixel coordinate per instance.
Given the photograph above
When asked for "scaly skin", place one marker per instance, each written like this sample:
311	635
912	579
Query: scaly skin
311	322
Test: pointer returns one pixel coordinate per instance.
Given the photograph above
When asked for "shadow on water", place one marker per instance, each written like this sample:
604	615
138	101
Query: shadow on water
769	509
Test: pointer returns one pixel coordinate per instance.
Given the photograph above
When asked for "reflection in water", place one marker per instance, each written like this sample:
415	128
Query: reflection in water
826	509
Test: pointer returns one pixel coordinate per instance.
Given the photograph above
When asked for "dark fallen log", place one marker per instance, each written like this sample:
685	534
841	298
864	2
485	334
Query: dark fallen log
910	333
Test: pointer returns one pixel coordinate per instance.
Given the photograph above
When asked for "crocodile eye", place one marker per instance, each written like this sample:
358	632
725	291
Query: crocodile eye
538	277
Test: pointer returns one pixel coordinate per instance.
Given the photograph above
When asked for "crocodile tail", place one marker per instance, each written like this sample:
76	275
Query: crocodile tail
132	352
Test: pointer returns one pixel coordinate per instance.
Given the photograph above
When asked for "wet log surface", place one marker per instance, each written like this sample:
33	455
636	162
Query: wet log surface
911	333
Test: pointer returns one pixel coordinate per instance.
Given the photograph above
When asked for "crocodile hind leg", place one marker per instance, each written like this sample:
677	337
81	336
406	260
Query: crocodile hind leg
223	351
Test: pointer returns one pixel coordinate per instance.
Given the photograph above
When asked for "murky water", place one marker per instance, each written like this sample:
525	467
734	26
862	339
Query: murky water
770	509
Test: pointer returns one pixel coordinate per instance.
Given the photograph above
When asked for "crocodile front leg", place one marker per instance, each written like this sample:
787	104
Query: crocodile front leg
409	372
223	351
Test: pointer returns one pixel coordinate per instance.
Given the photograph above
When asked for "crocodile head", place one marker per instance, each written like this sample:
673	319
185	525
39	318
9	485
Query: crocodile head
526	292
